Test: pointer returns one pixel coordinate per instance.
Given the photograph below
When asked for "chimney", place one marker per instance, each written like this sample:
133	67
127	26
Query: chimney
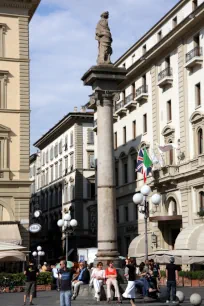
75	109
83	109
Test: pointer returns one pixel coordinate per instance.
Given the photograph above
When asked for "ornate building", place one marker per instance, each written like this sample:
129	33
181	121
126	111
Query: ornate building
63	178
15	120
162	102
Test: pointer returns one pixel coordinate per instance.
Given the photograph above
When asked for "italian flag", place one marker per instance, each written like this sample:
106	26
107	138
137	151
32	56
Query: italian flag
147	165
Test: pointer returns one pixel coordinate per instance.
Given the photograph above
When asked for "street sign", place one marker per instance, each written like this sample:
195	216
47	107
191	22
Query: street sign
35	228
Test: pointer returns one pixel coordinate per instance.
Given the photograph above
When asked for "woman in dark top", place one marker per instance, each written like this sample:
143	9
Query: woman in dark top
130	273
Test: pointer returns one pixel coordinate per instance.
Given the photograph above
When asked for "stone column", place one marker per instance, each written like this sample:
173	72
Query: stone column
107	231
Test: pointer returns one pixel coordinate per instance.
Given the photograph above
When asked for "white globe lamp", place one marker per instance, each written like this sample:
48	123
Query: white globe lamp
73	223
39	248
39	253
156	199
145	190
42	253
67	217
34	253
137	198
60	223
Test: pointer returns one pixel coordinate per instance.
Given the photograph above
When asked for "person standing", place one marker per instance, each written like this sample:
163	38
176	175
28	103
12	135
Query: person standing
55	275
65	276
130	273
172	279
31	273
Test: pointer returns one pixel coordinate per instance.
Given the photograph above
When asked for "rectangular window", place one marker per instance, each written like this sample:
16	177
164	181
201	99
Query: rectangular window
116	174
56	150
71	162
66	143
71	139
124	135
134	129
115	141
159	36
46	177
144	80
133	91
123	96
90	137
195	4
125	166
167	61
144	49
56	171
126	213
66	165
51	174
60	168
3	28
133	58
117	216
174	22
51	153
65	193
60	147
201	194
3	89
124	65
196	40
197	95
145	123
91	163
169	113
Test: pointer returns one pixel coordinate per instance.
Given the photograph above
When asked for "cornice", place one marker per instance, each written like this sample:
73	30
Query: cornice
30	5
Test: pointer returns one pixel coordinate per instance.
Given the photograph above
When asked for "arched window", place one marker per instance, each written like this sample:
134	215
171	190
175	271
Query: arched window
200	141
171	156
171	207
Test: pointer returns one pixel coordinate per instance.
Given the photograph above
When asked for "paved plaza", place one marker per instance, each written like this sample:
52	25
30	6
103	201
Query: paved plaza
51	298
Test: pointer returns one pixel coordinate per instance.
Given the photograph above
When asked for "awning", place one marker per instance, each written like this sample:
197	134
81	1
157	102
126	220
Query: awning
10	247
137	246
10	233
189	238
11	256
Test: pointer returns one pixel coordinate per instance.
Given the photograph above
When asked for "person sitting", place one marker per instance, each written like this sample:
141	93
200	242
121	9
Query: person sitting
111	276
98	277
82	279
142	283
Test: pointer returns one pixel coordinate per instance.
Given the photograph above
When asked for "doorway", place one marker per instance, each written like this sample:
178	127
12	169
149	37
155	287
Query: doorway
174	234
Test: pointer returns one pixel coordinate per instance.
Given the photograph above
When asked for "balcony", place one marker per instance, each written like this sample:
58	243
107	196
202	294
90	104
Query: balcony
129	102
142	94
120	108
194	58
165	78
95	126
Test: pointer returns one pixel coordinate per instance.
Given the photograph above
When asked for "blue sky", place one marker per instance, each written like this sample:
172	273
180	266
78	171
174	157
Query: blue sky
63	47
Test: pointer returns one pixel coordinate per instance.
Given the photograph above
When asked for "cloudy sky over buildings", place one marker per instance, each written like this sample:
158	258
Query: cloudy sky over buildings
63	47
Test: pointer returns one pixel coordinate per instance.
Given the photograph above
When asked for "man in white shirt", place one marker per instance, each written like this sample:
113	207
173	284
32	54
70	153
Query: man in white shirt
55	274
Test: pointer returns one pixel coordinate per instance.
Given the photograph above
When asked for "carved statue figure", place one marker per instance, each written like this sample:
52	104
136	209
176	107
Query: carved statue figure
104	37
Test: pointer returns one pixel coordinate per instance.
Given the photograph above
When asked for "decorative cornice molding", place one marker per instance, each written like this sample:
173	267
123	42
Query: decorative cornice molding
167	130
30	5
196	117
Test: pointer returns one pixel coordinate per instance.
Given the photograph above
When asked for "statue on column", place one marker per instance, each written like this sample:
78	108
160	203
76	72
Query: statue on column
104	37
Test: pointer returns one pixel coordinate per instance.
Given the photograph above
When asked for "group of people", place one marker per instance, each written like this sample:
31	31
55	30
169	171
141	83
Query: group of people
145	278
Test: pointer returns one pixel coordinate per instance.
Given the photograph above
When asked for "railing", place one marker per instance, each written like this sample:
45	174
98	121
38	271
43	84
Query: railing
128	98
197	51
119	105
167	72
142	89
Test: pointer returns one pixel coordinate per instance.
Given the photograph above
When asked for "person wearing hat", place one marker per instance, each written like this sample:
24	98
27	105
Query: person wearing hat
172	279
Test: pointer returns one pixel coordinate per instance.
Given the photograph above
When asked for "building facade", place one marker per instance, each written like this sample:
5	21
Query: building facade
63	178
162	102
15	120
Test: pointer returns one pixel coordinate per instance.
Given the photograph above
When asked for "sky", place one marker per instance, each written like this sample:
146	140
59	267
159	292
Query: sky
63	47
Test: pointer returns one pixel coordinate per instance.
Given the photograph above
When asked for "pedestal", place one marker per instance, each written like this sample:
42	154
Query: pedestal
105	81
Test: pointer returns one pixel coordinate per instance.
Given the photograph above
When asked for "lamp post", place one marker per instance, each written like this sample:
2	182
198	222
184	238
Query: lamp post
141	200
37	254
69	225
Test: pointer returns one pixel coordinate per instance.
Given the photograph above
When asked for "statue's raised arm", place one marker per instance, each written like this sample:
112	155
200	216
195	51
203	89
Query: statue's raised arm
104	37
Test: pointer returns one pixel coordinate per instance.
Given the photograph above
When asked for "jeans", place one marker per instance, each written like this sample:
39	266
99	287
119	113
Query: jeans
143	284
171	285
65	298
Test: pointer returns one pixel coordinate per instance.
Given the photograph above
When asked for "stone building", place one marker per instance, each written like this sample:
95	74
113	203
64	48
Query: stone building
15	120
63	177
162	101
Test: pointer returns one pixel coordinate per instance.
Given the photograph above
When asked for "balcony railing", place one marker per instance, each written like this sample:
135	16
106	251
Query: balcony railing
142	89
128	98
197	51
119	105
167	72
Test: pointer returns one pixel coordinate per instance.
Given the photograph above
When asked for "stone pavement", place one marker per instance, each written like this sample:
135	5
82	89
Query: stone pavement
51	298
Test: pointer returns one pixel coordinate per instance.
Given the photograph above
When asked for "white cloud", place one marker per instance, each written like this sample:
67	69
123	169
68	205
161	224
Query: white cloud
63	47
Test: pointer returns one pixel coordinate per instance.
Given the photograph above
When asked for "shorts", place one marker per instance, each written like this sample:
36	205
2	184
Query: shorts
29	288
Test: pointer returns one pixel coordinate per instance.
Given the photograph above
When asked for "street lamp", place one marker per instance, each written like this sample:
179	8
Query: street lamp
69	225
141	200
37	254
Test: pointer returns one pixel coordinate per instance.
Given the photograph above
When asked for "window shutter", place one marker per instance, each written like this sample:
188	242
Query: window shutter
90	137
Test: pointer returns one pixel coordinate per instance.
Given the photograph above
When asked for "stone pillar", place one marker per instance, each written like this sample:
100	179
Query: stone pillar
105	81
107	230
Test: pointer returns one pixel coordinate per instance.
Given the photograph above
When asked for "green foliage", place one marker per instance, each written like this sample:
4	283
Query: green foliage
18	279
200	213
